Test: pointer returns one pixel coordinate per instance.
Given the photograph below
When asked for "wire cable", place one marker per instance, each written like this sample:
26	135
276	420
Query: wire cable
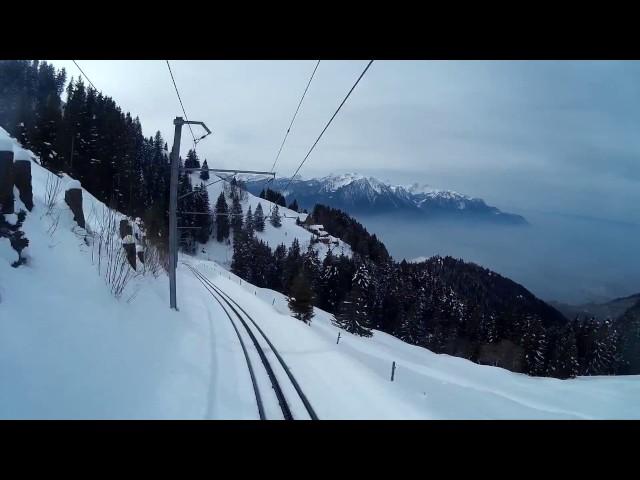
85	75
294	116
182	104
327	125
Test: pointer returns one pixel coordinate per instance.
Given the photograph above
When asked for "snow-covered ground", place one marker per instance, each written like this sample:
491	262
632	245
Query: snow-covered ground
69	349
272	236
352	379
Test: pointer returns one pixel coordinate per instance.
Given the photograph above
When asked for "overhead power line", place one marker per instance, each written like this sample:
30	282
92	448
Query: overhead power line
85	75
327	125
181	104
294	116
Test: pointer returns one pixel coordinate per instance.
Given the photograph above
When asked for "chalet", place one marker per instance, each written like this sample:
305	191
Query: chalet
328	239
320	234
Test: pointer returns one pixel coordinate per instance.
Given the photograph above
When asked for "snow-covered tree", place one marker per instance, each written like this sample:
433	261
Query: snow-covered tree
564	356
603	356
248	222
203	221
241	261
222	218
192	160
353	313
301	297
534	342
258	219
204	175
275	217
236	215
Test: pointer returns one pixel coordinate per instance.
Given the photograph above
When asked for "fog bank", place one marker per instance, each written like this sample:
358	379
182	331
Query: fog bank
557	257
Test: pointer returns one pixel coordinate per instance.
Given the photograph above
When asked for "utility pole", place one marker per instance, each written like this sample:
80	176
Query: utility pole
173	207
173	200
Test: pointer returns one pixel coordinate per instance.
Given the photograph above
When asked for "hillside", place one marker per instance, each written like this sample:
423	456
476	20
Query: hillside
70	349
612	309
272	236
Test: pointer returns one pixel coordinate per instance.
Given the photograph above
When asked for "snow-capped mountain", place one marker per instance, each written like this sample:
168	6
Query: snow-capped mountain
360	194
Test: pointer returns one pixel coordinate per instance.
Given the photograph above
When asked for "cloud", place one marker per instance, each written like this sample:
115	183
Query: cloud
553	135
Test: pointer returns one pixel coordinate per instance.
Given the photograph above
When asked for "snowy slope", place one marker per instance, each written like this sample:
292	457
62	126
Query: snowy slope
272	236
69	349
352	379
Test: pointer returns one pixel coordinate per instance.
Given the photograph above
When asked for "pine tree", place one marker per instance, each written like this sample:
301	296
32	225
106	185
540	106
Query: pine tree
275	217
261	263
353	313
236	215
534	343
412	328
222	218
248	223
629	345
242	260
329	295
488	328
563	362
294	206
276	274
258	219
204	174
192	160
292	263
603	358
186	220
312	267
301	298
201	205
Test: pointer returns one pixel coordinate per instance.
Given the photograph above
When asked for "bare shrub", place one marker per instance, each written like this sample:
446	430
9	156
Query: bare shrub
55	220
109	255
154	260
52	192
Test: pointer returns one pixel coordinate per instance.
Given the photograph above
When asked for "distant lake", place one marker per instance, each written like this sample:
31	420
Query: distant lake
558	257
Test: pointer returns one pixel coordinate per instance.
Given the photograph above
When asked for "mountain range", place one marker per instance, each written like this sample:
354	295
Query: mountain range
611	309
360	194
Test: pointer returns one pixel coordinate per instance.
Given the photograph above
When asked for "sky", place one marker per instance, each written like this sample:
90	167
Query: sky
526	136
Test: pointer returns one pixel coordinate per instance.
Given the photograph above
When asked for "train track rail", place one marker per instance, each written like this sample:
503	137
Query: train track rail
257	337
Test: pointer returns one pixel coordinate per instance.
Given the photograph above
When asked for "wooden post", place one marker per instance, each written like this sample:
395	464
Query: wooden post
393	370
338	341
6	181
73	198
22	180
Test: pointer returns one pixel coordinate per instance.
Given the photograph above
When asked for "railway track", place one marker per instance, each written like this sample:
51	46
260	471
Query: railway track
278	372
